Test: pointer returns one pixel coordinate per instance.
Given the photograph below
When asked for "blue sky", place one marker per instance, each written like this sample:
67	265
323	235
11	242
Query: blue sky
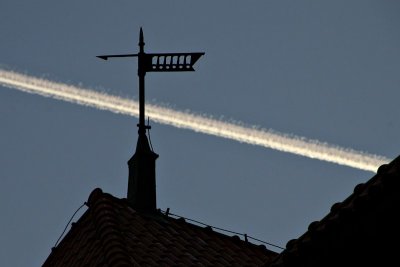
323	70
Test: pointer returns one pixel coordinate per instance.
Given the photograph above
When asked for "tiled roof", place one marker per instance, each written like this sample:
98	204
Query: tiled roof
363	230
111	233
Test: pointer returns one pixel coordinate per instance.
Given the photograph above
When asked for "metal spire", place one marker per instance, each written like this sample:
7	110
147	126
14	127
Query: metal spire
141	184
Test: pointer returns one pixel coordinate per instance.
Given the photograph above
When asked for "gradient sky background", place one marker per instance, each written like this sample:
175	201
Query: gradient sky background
319	69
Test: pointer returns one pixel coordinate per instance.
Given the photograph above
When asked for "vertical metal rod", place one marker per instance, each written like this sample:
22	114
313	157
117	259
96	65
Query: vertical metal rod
142	128
141	74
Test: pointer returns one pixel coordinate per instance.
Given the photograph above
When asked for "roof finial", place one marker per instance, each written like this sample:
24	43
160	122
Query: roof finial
141	41
142	177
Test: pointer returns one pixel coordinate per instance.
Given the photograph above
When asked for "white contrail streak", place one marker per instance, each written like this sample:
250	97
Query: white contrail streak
287	143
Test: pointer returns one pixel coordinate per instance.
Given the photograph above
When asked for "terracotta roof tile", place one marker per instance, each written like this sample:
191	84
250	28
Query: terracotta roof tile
111	233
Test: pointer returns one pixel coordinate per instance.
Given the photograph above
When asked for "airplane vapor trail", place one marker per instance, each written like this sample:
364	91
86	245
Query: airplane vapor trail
266	138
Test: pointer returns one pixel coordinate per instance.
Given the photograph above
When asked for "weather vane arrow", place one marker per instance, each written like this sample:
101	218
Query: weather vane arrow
156	62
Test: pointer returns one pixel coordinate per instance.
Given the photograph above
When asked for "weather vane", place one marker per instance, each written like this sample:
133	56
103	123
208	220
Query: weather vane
159	62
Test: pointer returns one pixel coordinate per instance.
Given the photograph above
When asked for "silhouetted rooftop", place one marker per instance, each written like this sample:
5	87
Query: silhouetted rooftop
363	230
112	233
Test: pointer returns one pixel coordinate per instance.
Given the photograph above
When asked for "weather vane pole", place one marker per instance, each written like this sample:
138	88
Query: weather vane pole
142	182
160	62
141	74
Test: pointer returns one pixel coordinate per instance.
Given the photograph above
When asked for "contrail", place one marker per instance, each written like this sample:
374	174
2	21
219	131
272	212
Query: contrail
270	139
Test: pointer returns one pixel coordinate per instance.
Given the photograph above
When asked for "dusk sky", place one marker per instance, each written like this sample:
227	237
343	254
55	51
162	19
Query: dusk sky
324	70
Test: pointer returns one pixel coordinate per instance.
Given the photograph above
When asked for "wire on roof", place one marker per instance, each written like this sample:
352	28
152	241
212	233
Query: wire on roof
73	215
246	237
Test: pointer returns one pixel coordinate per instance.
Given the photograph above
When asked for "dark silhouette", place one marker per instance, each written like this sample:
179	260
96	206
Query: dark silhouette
362	230
112	234
142	181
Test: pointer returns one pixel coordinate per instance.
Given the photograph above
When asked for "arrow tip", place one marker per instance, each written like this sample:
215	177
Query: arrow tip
103	57
141	40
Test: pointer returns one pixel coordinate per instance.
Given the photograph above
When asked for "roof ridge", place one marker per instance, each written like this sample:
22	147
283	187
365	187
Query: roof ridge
106	229
160	215
373	190
112	233
219	231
